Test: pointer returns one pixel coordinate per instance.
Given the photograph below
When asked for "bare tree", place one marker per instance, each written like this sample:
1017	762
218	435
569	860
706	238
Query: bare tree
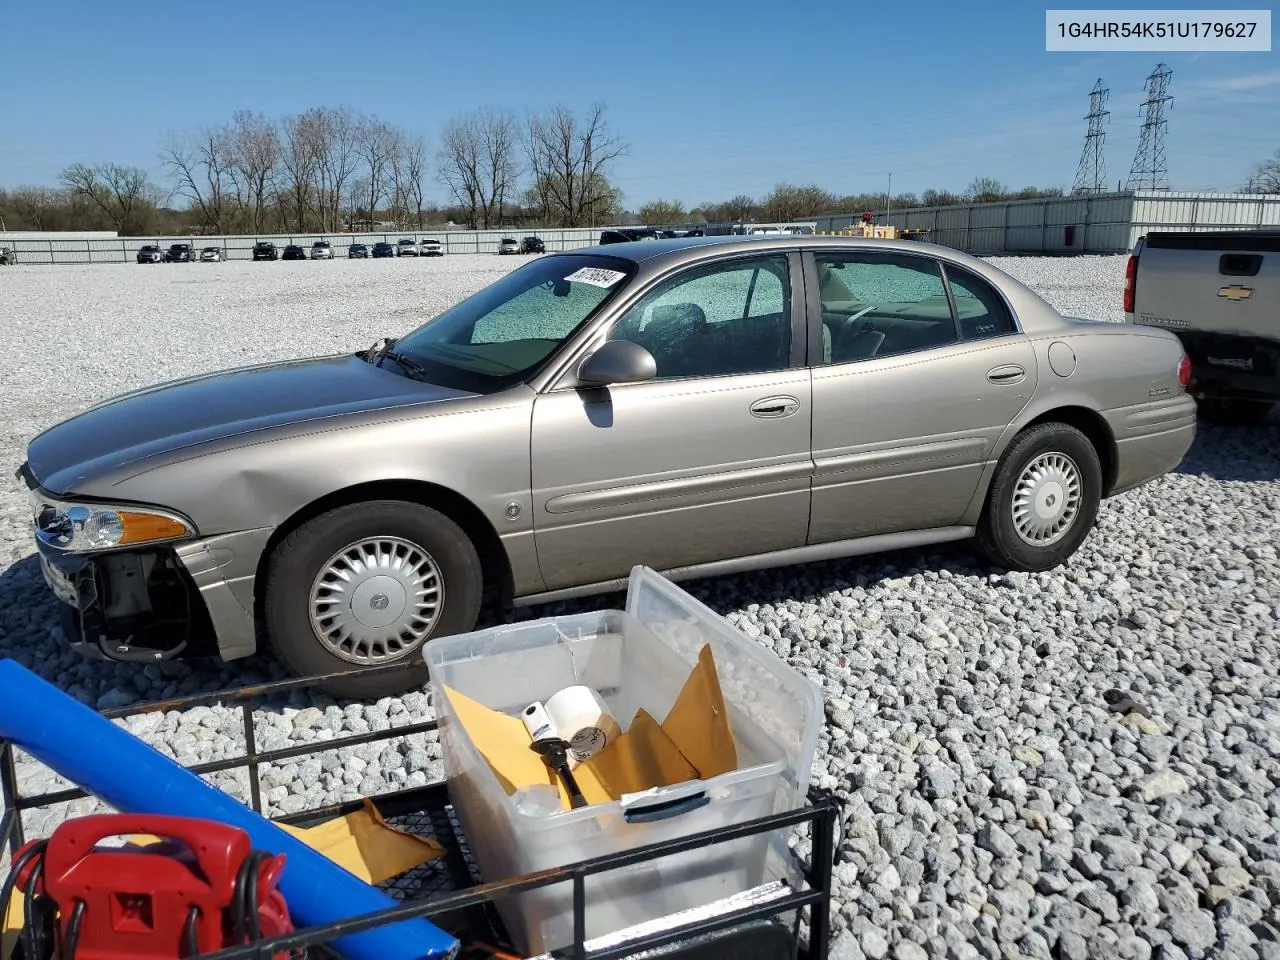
458	165
202	167
415	158
298	159
477	162
657	212
337	131
985	190
569	159
375	145
124	194
41	208
1265	177
255	152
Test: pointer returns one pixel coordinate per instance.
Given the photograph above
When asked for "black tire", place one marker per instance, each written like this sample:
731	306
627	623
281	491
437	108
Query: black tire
998	538
300	556
1233	412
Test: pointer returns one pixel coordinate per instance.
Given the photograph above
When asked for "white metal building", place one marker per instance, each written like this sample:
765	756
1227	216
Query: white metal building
1101	223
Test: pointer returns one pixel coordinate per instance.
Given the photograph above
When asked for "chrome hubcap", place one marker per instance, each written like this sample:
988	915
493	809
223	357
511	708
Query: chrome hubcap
376	600
1046	499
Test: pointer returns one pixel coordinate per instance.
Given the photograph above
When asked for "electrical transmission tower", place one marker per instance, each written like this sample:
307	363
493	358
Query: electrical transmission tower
1150	169
1091	175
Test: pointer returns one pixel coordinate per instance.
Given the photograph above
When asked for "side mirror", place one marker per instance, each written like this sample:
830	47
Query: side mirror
618	361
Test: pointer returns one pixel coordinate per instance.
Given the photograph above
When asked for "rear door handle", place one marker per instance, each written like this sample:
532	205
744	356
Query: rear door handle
774	408
1009	373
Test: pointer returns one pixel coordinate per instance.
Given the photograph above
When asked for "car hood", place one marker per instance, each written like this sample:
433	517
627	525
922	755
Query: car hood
156	423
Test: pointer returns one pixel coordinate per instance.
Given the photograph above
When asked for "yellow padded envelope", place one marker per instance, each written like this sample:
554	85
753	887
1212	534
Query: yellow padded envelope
695	742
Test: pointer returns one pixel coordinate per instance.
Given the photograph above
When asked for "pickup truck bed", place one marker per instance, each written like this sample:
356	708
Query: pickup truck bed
1219	291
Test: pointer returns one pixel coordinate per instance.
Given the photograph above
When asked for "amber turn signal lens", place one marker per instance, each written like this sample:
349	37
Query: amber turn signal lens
142	527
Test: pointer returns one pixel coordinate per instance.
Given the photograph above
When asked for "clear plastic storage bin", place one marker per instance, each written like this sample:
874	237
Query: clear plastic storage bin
635	658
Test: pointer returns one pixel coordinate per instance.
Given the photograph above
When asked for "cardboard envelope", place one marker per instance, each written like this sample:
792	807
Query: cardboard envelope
694	742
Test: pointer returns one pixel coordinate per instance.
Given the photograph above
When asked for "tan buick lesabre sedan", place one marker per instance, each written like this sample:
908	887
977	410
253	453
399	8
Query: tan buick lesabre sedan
698	405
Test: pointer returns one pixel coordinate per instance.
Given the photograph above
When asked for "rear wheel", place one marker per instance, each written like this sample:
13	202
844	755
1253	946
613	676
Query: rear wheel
1233	412
366	585
1043	499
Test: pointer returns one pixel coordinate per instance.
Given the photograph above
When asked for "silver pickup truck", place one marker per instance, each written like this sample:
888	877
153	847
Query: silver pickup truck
1219	292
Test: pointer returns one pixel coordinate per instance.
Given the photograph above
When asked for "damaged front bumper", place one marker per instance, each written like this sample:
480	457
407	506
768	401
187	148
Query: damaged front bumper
157	601
127	605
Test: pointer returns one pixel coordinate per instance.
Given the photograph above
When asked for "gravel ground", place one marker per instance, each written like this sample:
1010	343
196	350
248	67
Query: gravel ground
997	807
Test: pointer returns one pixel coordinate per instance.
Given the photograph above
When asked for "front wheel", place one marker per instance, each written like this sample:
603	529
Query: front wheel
1043	499
369	584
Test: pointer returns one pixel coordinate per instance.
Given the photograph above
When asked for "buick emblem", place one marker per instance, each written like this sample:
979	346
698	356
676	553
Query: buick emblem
379	602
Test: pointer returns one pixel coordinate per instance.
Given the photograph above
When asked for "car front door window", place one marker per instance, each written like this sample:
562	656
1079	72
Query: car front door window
723	320
881	304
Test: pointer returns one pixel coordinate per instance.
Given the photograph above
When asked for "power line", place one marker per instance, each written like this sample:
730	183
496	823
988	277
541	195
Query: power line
1091	174
1150	169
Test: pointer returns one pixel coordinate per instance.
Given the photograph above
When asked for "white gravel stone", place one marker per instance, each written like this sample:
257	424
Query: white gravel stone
996	808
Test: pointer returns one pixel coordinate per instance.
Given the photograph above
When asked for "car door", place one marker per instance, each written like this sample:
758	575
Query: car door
918	369
707	461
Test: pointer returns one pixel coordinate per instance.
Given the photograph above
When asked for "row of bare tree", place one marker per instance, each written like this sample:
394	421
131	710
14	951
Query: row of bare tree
330	168
789	202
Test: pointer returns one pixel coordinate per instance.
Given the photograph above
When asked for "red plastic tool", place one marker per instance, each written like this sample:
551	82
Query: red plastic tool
158	901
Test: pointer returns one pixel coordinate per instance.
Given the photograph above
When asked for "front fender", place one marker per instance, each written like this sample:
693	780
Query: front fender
477	449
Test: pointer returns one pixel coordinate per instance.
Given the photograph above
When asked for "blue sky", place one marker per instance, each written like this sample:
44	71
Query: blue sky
715	97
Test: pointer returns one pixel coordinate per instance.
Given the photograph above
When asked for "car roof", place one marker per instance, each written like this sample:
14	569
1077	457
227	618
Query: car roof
674	250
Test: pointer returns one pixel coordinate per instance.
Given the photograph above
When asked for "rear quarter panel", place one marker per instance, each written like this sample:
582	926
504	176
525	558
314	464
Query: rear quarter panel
1128	377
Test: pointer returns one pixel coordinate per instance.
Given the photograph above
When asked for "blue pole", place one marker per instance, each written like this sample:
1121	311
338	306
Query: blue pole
123	771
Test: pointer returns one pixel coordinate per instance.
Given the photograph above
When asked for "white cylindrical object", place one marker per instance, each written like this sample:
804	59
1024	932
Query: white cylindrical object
538	722
582	718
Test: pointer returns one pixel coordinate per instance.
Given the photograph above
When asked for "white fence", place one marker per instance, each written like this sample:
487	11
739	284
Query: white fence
1103	223
63	249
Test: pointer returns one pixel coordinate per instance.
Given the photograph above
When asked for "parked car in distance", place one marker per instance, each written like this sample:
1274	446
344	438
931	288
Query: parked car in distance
294	252
179	253
508	245
358	251
1219	291
150	253
430	247
265	250
407	247
654	388
383	249
321	250
532	245
211	255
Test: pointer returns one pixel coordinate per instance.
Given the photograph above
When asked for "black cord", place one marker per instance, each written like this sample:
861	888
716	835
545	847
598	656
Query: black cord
20	863
73	931
29	927
256	858
189	932
238	912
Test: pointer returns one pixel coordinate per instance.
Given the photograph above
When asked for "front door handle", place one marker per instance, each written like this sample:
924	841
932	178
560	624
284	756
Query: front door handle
1009	373
774	408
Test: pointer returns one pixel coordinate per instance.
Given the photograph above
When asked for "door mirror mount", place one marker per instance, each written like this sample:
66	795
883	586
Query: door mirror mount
618	361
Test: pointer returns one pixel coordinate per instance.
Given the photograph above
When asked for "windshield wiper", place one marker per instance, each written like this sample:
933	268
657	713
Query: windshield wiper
411	367
380	349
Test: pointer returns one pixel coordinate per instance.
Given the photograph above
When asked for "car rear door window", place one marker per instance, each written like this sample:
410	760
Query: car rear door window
881	304
719	320
979	308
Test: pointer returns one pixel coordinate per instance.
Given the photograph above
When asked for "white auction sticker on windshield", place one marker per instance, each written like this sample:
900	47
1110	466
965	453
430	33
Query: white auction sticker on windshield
596	276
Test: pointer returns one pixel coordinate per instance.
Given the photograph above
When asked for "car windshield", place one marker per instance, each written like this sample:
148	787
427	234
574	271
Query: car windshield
501	335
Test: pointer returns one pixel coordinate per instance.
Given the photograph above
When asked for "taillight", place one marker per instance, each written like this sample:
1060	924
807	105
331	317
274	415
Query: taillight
1184	371
1130	283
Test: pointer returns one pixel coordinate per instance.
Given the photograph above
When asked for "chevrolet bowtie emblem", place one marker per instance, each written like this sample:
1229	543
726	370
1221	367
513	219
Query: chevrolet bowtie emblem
1236	292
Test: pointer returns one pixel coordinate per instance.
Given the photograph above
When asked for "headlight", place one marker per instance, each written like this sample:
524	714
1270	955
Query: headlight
79	528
